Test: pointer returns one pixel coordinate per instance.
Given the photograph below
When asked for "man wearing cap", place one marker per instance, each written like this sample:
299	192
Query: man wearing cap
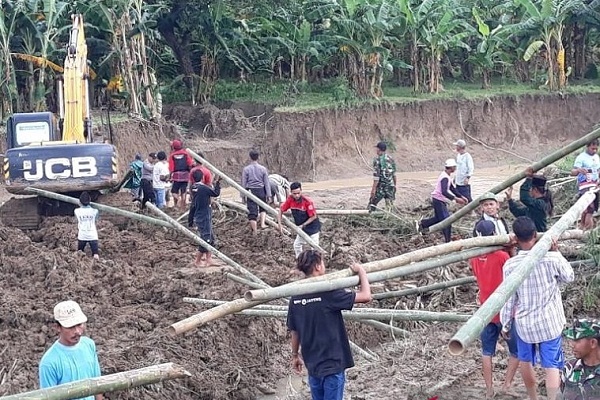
586	167
536	199
581	375
73	356
180	164
384	178
487	269
488	203
536	310
464	169
444	193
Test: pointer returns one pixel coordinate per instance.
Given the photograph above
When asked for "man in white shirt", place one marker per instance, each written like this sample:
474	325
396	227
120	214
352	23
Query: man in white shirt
160	176
86	223
280	188
464	170
586	168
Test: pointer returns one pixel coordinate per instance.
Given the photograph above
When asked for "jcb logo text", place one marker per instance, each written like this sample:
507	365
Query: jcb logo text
59	168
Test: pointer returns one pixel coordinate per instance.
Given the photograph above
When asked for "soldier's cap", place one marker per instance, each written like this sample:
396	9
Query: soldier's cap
583	328
381	146
487	196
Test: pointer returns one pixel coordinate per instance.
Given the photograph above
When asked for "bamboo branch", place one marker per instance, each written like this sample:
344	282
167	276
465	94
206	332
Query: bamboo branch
186	232
270	210
241	208
243	281
549	159
101	207
471	330
108	383
424	289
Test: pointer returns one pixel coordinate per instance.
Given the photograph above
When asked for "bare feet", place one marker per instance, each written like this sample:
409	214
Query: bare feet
508	391
490	394
96	257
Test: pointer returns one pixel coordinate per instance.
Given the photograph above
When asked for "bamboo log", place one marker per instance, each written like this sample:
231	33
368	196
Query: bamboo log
379	325
243	304
471	330
324	286
424	289
270	210
186	232
549	159
101	207
182	216
243	281
108	383
242	208
356	314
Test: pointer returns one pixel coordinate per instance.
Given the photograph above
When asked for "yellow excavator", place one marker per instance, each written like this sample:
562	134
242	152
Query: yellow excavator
53	154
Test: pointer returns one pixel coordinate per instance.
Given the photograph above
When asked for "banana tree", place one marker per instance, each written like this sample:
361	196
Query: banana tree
11	11
489	51
547	20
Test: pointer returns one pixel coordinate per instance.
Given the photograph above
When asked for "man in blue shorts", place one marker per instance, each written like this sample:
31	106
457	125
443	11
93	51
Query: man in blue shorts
536	310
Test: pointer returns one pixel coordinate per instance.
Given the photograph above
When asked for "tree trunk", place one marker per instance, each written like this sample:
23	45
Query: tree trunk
179	44
471	330
415	72
485	78
579	50
550	62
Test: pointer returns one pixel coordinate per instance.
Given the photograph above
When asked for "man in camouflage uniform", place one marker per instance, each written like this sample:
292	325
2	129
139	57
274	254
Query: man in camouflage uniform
581	375
384	178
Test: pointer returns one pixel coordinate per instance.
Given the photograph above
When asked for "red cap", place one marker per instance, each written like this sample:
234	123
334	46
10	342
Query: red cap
176	144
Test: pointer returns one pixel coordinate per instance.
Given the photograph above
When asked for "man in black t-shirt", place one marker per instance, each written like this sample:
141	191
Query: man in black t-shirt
317	328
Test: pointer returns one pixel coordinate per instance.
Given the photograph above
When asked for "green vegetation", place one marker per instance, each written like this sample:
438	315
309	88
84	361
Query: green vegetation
301	54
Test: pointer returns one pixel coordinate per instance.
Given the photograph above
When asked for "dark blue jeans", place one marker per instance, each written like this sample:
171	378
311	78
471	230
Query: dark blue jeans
440	213
465	191
330	387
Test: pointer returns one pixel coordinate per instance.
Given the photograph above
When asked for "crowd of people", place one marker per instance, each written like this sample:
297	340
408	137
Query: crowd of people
532	322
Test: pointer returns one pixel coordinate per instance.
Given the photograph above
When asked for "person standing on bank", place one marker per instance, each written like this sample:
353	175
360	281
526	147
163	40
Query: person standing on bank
86	224
73	356
444	193
537	311
384	178
255	179
160	177
586	168
318	335
305	216
180	164
464	170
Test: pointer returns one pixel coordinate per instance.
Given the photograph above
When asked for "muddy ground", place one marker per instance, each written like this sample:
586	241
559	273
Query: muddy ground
135	291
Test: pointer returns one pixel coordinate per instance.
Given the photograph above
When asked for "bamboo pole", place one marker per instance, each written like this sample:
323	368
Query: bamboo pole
324	286
101	207
243	281
471	330
549	159
186	232
424	289
270	210
379	325
240	207
108	383
356	314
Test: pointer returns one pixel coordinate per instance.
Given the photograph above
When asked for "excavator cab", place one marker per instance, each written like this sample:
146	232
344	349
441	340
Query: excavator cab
24	129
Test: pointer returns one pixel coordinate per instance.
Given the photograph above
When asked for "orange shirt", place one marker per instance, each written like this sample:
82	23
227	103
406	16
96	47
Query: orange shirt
488	272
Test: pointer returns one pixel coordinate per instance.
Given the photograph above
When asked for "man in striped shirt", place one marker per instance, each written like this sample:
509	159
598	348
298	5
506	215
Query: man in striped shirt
537	311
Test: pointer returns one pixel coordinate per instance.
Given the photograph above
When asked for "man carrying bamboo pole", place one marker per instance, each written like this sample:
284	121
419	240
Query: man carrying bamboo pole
536	310
201	215
305	216
487	269
490	211
73	356
318	331
255	179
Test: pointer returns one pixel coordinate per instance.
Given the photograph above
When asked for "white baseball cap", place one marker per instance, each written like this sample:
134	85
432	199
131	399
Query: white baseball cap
460	143
451	162
68	314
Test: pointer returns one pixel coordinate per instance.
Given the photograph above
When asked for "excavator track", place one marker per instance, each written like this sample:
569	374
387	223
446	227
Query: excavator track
22	213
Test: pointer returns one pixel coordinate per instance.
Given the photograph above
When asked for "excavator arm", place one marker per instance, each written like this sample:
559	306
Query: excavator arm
73	92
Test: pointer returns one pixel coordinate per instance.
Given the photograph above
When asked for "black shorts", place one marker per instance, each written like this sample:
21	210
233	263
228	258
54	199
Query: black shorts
179	187
253	208
93	245
593	207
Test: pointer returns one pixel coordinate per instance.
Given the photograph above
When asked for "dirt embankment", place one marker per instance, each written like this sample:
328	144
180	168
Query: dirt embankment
324	144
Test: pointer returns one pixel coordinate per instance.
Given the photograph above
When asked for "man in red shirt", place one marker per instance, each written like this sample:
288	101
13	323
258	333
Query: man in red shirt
305	216
489	274
206	174
180	164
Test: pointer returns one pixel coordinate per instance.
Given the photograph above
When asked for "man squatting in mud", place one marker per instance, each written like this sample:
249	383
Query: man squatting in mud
318	332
